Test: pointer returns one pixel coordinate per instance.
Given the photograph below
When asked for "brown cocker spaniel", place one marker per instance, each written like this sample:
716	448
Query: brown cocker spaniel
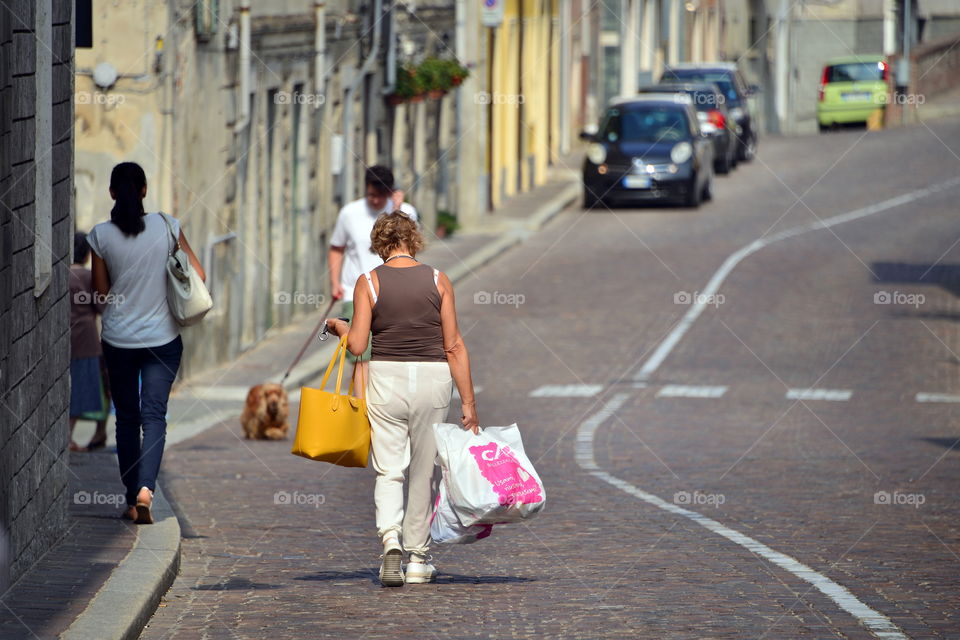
265	414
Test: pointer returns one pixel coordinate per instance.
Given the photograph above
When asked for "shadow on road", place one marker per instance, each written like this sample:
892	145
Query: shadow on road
943	275
442	578
236	584
946	443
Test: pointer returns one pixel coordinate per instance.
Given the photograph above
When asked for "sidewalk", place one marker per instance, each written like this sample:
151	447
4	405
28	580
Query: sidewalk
944	105
105	578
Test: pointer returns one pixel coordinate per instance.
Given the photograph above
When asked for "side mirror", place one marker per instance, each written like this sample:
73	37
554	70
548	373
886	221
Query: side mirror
588	136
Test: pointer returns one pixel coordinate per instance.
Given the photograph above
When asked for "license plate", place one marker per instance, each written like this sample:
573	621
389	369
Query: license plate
856	95
636	182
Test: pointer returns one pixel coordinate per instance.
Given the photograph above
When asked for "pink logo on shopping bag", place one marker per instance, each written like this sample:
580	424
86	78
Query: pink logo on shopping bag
511	482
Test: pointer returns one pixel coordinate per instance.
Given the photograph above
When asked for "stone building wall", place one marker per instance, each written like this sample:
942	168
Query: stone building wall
36	162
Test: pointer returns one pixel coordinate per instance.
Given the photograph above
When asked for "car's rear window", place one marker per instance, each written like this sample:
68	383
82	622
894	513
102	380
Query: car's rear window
645	123
720	78
855	72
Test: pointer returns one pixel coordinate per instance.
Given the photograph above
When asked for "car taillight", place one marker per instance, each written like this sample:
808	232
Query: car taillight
715	117
886	71
823	83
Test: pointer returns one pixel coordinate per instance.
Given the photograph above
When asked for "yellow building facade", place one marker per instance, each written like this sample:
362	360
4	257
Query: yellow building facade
524	96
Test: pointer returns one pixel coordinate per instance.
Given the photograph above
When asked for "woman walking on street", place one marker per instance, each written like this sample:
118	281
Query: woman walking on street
141	339
88	392
417	352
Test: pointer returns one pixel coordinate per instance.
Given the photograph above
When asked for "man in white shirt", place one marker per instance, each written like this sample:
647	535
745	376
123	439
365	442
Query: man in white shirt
350	254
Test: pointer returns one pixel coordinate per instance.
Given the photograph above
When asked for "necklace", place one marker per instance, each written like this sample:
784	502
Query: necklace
399	255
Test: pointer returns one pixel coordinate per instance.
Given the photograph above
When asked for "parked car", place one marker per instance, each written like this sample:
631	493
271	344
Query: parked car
735	90
715	120
648	147
851	89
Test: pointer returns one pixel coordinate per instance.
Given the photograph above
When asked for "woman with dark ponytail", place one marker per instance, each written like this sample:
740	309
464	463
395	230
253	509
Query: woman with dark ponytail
141	339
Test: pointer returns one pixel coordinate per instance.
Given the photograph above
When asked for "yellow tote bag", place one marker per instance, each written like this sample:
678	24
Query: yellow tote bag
332	427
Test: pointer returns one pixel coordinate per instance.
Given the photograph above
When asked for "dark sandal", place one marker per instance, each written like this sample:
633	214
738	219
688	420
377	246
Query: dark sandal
96	444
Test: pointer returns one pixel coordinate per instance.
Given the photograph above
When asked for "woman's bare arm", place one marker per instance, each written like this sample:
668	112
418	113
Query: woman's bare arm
193	257
101	279
358	331
458	357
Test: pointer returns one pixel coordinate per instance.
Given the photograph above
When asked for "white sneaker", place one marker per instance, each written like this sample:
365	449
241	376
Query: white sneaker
420	573
391	569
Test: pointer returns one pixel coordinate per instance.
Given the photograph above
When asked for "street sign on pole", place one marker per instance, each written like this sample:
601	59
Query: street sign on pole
491	13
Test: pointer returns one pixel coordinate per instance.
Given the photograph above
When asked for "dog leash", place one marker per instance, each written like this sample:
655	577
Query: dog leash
316	330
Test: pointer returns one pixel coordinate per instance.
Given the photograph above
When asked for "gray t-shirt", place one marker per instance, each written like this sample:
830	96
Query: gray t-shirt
137	314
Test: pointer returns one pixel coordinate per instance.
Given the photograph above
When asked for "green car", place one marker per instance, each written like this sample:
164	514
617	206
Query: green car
851	89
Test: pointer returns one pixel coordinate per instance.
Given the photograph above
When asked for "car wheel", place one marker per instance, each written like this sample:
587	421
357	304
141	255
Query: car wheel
824	128
694	195
724	165
749	149
590	199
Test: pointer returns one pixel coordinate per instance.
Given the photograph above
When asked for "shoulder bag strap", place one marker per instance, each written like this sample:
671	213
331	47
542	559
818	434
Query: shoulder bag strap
373	292
176	240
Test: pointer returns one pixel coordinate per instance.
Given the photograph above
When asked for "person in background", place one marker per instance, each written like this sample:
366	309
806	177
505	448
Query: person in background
141	338
417	353
88	393
350	253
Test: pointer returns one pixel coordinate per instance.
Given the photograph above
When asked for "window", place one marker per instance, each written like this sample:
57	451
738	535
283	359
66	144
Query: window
856	72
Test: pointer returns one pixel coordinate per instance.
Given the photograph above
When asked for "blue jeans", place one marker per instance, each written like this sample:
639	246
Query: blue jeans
140	381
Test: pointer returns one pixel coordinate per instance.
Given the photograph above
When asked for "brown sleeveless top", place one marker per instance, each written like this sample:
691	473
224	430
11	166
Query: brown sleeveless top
406	317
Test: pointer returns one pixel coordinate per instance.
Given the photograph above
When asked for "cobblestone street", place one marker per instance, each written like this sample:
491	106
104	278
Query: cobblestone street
798	412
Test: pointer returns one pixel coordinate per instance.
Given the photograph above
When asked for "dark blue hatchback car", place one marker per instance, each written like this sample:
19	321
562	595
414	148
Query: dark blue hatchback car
648	147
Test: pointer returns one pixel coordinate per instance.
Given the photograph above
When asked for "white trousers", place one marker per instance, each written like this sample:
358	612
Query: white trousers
404	400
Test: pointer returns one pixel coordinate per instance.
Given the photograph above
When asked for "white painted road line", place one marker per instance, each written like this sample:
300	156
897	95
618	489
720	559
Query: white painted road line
834	395
706	296
880	625
567	391
690	391
937	397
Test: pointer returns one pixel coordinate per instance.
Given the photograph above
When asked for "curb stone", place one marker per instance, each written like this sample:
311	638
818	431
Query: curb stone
129	597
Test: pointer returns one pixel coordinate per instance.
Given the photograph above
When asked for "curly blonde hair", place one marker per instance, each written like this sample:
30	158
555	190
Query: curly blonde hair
393	231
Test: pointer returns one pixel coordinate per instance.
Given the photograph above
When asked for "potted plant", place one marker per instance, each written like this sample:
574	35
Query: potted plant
418	85
436	78
458	72
409	86
446	224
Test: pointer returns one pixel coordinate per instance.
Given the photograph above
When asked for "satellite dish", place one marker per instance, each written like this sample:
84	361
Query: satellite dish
105	75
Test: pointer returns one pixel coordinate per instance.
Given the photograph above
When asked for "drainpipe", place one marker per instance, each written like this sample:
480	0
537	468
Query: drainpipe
391	53
346	176
319	50
243	101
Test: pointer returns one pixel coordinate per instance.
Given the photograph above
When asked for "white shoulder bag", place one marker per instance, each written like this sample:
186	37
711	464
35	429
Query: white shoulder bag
187	296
